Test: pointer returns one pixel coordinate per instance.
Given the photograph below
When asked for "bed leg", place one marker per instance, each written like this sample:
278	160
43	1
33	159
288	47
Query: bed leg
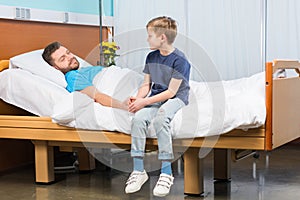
86	160
44	162
222	164
193	172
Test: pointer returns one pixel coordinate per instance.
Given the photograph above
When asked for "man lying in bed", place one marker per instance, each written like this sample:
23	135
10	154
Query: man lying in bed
81	80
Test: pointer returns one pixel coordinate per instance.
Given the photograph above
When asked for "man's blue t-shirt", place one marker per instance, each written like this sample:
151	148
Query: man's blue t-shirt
80	79
163	68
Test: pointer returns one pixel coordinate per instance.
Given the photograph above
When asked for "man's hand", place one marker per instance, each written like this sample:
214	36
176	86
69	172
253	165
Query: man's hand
124	105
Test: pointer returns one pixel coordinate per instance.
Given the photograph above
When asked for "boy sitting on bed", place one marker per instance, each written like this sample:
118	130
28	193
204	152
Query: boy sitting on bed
167	77
81	80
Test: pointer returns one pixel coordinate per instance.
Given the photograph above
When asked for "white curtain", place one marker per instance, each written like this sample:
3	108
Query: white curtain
283	29
221	38
230	33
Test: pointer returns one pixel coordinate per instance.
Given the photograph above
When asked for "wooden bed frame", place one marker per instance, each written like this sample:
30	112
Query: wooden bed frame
282	104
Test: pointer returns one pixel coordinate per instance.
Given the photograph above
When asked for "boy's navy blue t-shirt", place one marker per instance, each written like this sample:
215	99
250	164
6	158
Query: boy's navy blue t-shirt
163	68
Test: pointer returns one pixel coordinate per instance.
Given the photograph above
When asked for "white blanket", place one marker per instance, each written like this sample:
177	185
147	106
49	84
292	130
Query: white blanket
215	108
30	92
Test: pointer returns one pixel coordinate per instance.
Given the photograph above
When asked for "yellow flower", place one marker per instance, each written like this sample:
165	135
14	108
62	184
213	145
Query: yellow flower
109	52
106	51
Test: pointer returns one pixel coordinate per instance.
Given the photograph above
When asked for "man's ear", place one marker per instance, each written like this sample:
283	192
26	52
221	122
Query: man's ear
56	67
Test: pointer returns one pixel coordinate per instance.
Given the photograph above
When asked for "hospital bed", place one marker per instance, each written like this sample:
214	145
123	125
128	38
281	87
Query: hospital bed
281	126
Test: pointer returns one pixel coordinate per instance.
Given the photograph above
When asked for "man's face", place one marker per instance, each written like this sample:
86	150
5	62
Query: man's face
64	60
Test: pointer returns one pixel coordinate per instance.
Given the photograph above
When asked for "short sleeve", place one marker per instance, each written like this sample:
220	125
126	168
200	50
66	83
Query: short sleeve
181	69
146	68
76	81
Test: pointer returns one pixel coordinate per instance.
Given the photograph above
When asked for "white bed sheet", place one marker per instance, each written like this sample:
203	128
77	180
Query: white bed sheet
215	108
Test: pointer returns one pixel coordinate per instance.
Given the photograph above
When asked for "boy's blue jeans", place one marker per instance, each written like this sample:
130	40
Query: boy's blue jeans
162	114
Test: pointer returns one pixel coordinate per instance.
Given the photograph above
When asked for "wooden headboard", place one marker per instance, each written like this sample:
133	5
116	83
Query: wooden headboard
18	36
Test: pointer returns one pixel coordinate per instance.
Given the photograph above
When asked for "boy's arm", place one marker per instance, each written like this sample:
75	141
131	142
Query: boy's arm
103	99
168	94
145	88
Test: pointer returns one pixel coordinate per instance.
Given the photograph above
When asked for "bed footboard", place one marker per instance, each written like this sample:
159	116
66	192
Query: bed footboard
283	105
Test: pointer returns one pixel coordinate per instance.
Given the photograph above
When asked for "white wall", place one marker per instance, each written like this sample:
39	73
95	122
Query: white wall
58	11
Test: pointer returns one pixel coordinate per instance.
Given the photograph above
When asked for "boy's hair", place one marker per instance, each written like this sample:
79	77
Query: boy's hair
164	25
48	52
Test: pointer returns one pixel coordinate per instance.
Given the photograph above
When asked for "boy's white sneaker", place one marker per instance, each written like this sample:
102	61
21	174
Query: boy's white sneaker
135	181
163	185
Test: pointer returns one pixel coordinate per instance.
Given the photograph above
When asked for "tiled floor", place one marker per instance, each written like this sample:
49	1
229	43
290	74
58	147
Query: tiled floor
274	175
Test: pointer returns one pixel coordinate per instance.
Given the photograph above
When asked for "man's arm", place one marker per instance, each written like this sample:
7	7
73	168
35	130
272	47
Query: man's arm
103	99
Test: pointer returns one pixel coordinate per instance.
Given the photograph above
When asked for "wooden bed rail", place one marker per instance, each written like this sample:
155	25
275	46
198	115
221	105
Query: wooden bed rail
269	94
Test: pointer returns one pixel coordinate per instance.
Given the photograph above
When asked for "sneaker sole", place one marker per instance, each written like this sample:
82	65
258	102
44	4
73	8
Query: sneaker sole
160	195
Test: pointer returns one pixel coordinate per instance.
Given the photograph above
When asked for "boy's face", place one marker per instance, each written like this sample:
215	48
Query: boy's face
155	41
64	60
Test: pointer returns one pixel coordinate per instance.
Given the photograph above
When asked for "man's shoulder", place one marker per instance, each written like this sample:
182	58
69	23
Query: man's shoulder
73	71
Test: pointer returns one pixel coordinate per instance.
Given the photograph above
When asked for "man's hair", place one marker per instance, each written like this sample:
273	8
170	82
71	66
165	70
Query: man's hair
164	25
48	51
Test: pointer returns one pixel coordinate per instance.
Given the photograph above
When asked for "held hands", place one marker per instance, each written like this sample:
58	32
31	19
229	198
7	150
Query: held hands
129	100
135	104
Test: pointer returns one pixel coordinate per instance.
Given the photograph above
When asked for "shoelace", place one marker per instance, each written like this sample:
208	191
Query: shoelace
165	181
132	178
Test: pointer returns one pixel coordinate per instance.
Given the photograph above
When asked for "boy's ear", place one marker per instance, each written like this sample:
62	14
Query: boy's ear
164	37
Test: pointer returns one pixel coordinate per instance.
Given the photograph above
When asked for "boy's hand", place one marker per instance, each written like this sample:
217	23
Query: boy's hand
137	104
131	100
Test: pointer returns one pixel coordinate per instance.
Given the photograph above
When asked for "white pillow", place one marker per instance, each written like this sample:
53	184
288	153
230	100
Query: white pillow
33	62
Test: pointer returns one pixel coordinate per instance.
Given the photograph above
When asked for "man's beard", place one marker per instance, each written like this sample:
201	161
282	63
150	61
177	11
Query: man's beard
74	64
